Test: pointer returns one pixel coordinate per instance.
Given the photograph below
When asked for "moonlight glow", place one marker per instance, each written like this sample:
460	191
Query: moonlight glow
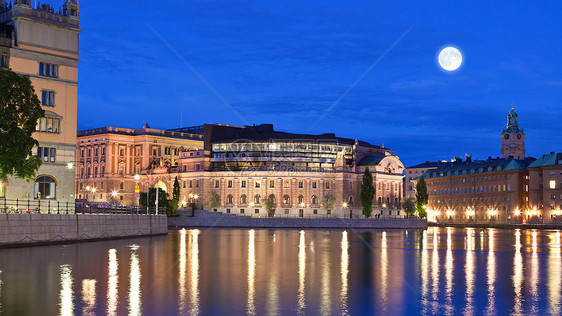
450	58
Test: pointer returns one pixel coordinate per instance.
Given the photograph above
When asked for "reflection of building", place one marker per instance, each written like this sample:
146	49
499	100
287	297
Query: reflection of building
43	44
109	157
545	176
246	165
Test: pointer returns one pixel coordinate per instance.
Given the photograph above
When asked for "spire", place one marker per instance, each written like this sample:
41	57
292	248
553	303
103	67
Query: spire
512	119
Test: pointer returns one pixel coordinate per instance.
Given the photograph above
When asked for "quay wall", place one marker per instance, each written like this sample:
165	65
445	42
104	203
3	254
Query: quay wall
28	229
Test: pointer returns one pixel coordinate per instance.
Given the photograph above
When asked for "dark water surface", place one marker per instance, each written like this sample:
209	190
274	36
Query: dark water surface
259	272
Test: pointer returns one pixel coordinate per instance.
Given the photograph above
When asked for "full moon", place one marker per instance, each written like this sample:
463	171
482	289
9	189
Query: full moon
450	58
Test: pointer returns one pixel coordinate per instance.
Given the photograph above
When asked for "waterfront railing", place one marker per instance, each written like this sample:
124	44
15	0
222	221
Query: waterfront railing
47	206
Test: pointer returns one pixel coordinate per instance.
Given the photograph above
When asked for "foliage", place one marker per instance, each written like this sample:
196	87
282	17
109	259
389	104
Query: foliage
162	198
421	197
20	110
329	202
269	205
409	205
214	199
174	203
367	193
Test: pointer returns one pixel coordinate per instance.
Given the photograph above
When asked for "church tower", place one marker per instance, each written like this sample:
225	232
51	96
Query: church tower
513	138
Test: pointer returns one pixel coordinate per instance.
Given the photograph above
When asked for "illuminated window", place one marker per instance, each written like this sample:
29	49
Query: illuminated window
243	184
45	188
46	154
552	184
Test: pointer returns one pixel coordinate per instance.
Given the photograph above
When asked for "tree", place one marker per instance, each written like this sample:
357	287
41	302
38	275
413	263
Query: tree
329	202
174	203
409	205
162	198
214	199
20	110
421	197
270	205
367	193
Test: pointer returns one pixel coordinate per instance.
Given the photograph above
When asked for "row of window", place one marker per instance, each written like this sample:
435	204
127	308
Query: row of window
46	154
94	185
257	184
463	180
48	70
48	125
88	152
286	199
476	189
477	199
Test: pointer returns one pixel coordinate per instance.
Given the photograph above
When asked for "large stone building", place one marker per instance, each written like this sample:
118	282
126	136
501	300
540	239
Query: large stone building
42	43
246	165
110	157
545	187
485	190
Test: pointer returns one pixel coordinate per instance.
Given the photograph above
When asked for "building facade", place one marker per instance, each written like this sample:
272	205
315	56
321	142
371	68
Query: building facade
108	159
42	43
545	185
247	165
485	190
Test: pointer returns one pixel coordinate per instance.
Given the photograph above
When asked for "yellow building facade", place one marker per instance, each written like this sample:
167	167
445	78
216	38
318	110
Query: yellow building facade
43	44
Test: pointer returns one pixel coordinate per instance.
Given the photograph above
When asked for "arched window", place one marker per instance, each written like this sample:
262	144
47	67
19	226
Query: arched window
395	201
300	199
243	199
257	199
314	200
229	199
286	199
350	201
380	201
45	188
388	200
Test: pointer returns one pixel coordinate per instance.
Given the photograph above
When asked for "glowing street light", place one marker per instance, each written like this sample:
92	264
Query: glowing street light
114	193
344	205
70	165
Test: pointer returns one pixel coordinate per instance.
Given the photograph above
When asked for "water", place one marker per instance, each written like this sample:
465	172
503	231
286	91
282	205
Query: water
258	272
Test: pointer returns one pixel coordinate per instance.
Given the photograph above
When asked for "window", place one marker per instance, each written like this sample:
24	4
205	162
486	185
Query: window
121	186
257	184
45	188
301	185
272	183
286	184
122	152
552	184
196	183
243	184
314	200
4	61
229	199
243	199
257	199
328	185
190	184
217	184
286	199
241	211
47	98
315	212
48	124
229	184
197	167
48	70
314	184
300	200
257	211
46	154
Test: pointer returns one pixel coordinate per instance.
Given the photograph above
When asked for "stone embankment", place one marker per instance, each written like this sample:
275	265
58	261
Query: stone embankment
498	225
29	229
205	219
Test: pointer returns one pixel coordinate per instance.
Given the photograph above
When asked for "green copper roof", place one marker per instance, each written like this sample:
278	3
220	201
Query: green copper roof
551	159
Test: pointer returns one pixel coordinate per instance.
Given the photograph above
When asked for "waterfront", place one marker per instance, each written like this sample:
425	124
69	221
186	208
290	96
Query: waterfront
438	271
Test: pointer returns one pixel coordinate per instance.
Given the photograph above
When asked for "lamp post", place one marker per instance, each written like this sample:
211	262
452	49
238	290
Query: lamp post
137	190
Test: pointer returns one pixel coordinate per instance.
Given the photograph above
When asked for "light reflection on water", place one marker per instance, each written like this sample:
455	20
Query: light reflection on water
112	282
88	296
258	272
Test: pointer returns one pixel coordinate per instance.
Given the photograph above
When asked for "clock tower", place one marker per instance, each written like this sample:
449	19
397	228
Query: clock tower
513	138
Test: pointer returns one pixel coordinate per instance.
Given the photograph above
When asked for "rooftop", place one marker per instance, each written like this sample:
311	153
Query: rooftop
146	130
551	159
478	167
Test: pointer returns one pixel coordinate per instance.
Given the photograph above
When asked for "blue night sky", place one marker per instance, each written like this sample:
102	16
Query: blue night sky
287	62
